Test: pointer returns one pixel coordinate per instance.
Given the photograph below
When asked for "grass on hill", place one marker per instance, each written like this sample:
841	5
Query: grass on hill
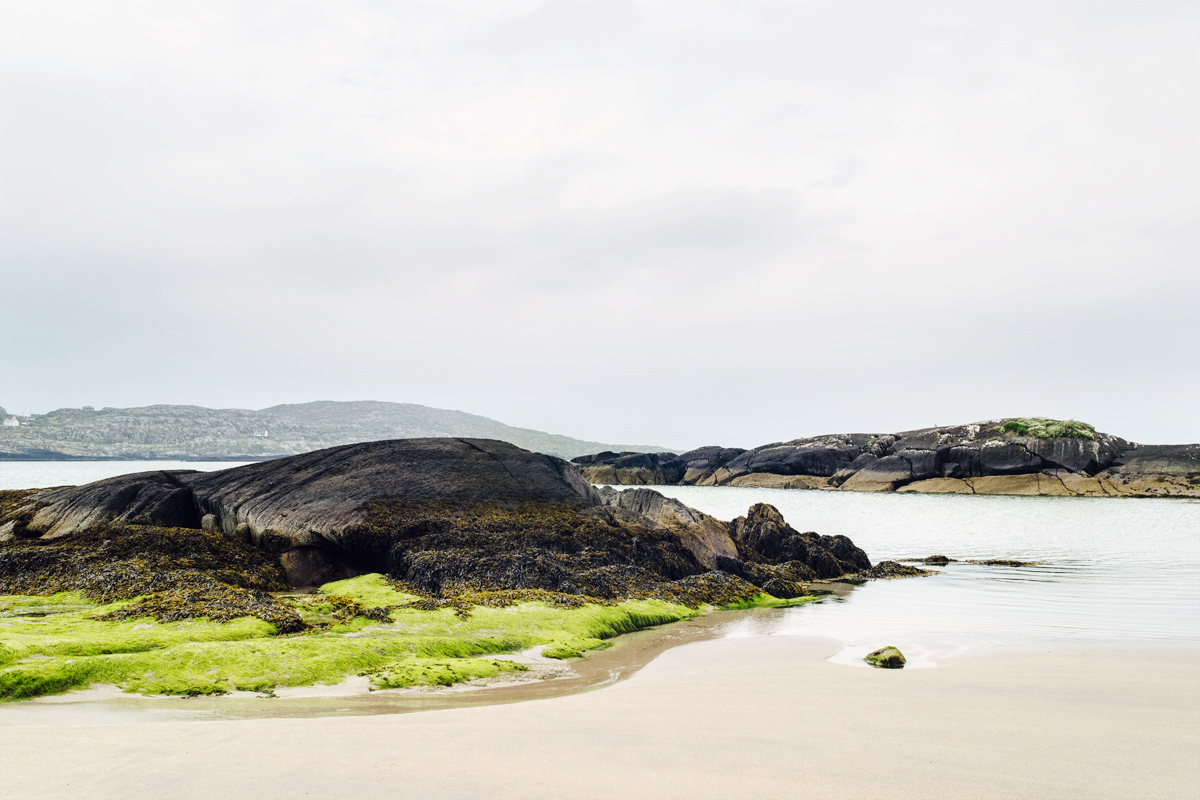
1042	428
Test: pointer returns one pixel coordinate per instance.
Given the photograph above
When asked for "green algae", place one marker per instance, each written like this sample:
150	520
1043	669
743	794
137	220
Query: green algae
767	601
370	590
416	672
80	642
73	649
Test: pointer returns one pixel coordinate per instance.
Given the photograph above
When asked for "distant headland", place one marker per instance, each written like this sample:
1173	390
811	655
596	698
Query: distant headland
194	433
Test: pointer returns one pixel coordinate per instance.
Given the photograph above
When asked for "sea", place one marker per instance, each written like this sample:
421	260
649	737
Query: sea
1119	571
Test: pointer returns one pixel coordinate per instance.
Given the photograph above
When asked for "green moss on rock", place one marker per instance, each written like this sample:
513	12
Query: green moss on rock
1043	428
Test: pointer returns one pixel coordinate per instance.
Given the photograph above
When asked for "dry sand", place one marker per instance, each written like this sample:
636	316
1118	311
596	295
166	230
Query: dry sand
733	718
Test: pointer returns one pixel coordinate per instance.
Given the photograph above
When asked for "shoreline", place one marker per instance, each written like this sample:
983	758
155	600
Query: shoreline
724	718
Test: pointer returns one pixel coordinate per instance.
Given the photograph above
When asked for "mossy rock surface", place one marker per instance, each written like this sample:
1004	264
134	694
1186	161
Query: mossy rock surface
886	658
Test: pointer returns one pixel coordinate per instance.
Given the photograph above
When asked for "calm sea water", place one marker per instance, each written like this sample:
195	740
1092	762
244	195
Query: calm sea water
1123	571
43	474
1109	570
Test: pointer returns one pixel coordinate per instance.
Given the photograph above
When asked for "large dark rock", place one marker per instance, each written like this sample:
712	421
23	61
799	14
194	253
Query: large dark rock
762	536
151	498
318	495
701	463
822	456
631	469
1157	459
445	515
1004	451
705	537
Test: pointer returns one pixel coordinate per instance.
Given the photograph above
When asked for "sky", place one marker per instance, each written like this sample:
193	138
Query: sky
672	223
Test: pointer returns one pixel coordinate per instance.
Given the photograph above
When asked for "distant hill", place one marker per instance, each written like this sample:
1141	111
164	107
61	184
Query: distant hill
197	433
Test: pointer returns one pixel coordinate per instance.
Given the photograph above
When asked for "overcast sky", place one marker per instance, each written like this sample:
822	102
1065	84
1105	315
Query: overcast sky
674	223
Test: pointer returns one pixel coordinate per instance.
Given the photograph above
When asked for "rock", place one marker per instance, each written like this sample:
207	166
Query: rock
1001	562
152	498
938	560
631	469
765	480
326	491
453	515
821	456
763	537
886	658
1162	459
891	569
1003	456
701	463
312	566
705	537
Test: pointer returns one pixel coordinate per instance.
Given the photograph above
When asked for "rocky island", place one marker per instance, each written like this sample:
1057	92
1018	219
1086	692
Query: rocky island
1022	456
429	551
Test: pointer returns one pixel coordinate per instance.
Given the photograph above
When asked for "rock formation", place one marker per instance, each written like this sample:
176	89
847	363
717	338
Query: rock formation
446	516
1005	456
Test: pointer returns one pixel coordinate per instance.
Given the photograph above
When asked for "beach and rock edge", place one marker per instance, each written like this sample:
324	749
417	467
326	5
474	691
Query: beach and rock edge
1015	456
428	556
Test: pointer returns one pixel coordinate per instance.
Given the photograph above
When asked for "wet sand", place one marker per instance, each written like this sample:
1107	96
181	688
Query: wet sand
730	718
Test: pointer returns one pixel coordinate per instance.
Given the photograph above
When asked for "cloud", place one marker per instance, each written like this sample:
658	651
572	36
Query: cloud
873	209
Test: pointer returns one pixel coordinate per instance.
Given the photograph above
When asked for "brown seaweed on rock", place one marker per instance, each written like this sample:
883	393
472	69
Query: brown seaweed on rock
197	596
448	548
763	538
179	572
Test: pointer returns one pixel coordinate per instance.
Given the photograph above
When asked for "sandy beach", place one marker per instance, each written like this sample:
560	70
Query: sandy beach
753	717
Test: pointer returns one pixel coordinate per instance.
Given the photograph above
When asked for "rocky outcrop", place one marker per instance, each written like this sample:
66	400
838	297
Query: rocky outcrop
631	469
707	538
694	467
150	498
446	516
781	559
1004	456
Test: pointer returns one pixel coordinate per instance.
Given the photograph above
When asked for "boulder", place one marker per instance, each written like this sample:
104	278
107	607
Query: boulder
886	658
821	456
700	464
152	498
707	538
937	560
314	497
631	469
762	536
887	570
453	515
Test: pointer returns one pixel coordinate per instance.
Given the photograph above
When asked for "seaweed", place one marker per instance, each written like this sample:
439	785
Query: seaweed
447	549
197	596
178	573
119	562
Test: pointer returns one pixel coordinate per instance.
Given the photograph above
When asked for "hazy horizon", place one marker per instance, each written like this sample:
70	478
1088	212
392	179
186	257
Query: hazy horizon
665	223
